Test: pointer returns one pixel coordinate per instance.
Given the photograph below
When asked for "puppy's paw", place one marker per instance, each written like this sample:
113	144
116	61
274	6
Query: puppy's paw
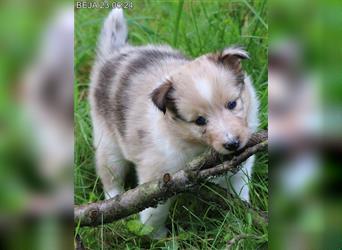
244	195
112	193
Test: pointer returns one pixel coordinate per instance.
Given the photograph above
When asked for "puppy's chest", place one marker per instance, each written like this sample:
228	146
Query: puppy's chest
174	157
160	147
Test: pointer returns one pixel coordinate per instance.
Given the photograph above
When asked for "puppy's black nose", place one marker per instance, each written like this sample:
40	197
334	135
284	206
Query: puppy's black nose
232	145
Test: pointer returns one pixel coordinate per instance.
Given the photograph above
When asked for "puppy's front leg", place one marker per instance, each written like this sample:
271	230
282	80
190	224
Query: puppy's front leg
156	218
238	183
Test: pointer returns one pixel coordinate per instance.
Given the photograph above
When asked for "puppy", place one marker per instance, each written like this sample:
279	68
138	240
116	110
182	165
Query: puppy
153	107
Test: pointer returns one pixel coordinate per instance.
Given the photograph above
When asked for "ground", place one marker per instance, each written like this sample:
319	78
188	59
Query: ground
195	28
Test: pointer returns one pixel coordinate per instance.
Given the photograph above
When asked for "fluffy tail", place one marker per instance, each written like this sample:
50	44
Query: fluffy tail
113	34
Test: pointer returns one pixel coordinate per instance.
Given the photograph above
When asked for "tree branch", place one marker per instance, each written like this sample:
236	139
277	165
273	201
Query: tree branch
150	194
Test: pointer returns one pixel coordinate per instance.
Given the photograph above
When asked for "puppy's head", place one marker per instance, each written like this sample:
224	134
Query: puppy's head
208	102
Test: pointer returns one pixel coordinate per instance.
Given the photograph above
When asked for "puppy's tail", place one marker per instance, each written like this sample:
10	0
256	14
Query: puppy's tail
113	34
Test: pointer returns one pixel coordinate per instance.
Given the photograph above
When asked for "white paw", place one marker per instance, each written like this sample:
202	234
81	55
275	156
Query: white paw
244	195
112	193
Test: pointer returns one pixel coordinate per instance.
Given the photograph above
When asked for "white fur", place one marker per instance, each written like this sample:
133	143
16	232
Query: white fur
238	183
235	51
113	34
109	159
204	89
112	193
253	119
156	217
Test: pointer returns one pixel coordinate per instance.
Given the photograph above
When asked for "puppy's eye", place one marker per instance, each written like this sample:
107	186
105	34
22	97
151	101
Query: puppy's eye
201	121
231	105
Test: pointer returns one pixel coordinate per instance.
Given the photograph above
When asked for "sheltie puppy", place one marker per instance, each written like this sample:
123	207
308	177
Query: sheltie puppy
155	108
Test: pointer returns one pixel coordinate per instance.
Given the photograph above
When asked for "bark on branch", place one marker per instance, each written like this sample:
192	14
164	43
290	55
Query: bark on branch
152	193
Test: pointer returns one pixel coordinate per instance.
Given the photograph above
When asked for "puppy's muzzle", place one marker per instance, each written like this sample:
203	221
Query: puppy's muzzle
232	145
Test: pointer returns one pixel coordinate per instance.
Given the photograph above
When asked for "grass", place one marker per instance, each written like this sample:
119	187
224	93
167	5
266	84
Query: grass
194	27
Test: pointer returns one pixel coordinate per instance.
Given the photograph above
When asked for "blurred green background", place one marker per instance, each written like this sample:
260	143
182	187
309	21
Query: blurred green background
22	226
203	26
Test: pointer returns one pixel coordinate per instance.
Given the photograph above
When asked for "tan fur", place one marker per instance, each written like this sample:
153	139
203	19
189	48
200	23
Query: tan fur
191	104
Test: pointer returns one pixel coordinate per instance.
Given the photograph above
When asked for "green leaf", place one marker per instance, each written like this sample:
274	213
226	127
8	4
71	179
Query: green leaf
93	197
136	227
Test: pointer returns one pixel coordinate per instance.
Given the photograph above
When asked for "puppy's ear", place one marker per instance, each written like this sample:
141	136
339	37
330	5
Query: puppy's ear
231	57
161	96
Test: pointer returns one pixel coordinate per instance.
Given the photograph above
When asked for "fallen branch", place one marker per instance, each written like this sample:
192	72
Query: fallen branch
150	194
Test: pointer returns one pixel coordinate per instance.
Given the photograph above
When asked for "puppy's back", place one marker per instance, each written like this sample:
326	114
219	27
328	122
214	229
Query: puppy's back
130	74
123	76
